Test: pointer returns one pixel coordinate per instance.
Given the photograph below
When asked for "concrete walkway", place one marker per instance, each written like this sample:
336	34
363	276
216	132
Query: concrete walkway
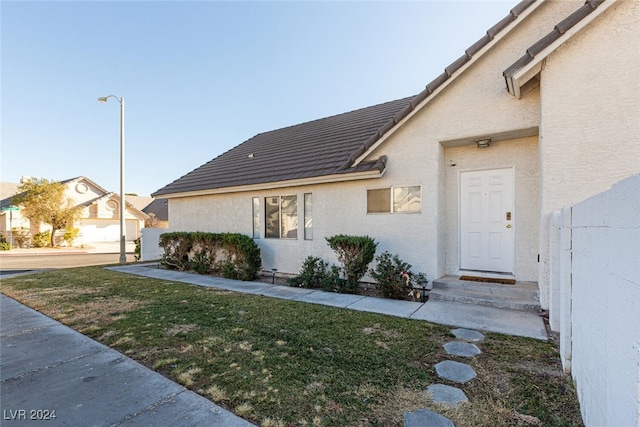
488	319
52	375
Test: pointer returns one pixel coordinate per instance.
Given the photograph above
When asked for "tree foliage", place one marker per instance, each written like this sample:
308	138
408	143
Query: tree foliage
44	201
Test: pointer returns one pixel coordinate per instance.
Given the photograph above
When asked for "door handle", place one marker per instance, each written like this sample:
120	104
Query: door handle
508	225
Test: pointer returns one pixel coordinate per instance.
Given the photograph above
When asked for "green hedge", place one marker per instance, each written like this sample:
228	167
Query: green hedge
234	255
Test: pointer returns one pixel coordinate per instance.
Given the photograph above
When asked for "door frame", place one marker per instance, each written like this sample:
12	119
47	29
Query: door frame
513	223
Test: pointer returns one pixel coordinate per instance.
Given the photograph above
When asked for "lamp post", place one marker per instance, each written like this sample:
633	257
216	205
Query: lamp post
103	99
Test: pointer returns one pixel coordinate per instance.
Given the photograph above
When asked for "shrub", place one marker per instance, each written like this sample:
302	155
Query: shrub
205	250
394	278
137	252
388	275
4	245
334	283
21	237
354	253
42	239
177	246
312	274
243	252
70	235
237	256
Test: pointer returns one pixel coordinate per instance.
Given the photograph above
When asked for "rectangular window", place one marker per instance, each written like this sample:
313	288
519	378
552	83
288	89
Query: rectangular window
256	217
407	199
379	200
281	217
308	217
394	199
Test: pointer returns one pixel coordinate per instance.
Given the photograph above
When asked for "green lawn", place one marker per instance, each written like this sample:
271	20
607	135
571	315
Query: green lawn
284	363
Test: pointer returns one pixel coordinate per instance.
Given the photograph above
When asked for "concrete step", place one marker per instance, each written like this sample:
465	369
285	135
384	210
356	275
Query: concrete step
522	296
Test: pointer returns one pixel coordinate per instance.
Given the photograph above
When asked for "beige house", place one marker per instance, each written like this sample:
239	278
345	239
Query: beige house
542	112
100	218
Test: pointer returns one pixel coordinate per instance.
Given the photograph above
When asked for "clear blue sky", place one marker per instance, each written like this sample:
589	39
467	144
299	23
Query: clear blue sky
201	77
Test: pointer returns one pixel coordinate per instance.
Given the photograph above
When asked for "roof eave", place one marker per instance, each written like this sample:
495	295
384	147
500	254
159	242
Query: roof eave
516	76
325	179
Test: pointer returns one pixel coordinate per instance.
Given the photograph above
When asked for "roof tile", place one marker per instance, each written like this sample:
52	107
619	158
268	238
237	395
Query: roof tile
475	48
521	7
455	65
431	87
501	25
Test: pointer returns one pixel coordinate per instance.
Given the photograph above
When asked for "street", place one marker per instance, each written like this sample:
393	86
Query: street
10	262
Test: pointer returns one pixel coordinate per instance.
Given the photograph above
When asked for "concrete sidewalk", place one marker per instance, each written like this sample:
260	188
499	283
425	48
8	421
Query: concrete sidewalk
52	375
488	319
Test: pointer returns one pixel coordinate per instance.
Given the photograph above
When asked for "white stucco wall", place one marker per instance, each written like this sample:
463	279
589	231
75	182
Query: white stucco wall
603	326
150	249
337	209
476	104
522	155
590	116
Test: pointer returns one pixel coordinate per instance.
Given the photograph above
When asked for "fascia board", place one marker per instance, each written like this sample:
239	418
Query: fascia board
529	71
327	179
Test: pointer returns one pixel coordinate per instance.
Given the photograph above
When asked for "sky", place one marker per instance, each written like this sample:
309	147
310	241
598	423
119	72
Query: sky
200	77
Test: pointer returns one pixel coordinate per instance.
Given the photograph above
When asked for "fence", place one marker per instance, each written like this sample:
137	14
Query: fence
150	249
595	301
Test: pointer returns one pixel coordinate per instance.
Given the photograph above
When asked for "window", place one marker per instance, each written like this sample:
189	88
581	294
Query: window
407	199
394	199
281	217
256	217
379	201
308	217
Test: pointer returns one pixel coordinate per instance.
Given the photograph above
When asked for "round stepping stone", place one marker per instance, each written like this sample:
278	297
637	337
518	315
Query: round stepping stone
455	371
441	393
463	349
467	334
426	418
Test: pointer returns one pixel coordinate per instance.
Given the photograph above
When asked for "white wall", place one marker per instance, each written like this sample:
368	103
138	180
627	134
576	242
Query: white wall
600	330
590	116
522	155
337	209
150	249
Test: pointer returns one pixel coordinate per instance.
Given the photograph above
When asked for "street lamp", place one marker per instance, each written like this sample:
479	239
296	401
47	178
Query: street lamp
104	99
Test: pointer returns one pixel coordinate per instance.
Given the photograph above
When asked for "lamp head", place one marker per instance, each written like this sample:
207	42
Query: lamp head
102	99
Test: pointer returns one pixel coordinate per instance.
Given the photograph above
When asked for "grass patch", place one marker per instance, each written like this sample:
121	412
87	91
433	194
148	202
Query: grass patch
284	363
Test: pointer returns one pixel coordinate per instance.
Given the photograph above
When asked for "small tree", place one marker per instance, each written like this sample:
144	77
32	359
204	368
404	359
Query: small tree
152	221
44	201
354	253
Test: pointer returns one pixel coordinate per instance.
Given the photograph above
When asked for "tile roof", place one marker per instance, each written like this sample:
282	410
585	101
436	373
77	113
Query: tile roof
307	150
321	147
561	28
159	208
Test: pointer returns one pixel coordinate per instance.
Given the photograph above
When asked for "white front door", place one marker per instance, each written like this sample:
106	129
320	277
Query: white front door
486	220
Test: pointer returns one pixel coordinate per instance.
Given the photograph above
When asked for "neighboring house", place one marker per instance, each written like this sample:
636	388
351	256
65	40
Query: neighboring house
542	112
99	221
158	209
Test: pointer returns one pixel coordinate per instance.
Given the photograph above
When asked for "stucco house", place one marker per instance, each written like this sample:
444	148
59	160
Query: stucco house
99	221
541	112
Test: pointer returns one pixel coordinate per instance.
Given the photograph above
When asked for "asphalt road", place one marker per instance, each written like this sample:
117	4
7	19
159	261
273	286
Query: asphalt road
10	263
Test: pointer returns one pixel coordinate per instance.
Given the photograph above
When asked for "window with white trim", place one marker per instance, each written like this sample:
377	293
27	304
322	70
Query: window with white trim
255	206
308	216
281	217
395	200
